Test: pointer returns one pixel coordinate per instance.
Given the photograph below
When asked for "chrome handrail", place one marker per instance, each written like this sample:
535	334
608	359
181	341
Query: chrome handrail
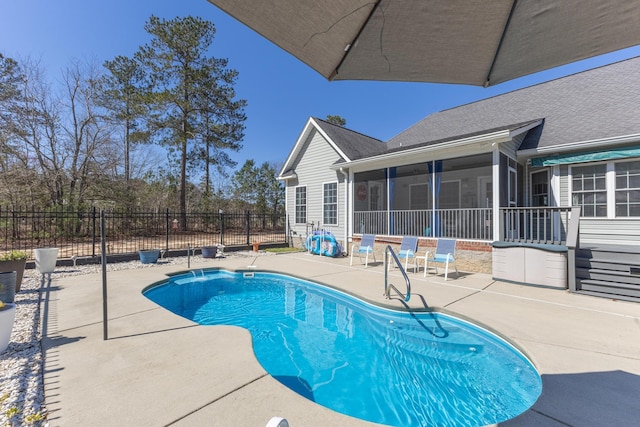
387	286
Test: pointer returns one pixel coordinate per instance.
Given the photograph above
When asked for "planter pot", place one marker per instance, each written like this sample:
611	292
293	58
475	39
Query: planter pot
149	256
17	266
209	251
46	259
7	286
7	317
256	246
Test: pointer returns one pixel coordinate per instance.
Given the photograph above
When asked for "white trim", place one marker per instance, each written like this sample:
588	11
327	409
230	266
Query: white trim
292	175
496	193
347	210
610	185
555	186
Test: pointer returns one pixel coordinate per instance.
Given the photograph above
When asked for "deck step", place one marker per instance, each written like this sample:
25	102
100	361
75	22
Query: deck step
609	270
607	275
610	288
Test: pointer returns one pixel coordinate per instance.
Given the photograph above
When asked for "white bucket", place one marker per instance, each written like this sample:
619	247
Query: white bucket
46	259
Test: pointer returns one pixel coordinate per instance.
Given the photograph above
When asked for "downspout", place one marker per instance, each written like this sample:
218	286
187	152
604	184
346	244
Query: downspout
346	210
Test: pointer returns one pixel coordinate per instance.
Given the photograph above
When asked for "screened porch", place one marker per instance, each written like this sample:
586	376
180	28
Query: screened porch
443	198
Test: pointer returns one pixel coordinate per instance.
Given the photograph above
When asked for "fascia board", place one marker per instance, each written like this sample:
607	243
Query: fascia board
297	147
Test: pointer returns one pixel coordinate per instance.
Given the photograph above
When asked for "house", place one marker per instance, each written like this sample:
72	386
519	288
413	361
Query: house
509	169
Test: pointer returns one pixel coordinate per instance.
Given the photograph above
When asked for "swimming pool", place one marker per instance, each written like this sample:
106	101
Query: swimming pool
380	365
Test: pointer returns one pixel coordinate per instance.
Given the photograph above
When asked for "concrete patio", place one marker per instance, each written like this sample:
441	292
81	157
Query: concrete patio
158	369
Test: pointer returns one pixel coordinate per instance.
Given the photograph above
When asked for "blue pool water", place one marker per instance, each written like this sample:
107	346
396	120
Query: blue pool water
389	367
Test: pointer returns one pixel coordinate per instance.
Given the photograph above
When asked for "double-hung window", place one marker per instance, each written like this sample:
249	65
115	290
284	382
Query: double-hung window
330	204
301	205
627	189
589	189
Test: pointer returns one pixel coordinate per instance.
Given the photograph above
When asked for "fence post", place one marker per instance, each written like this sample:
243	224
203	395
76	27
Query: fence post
221	212
93	232
248	219
166	247
103	238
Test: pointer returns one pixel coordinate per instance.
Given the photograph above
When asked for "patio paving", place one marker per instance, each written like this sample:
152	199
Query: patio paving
158	369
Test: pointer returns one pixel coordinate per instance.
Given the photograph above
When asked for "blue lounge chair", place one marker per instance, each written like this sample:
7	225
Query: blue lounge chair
408	249
444	254
365	247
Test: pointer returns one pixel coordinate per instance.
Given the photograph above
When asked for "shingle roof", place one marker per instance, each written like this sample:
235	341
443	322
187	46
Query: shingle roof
599	103
353	144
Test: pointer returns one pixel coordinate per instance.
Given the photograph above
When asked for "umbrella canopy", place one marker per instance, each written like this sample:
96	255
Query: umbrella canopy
475	42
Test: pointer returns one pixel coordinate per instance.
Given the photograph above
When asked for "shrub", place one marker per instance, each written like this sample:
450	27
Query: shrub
13	256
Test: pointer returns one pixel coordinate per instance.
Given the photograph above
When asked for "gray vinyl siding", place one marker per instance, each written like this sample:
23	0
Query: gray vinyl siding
594	231
313	171
510	148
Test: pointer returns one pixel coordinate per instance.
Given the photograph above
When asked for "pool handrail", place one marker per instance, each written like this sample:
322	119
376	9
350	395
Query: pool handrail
387	286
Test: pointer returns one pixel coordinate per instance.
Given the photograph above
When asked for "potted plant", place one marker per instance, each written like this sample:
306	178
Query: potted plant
256	246
7	317
14	261
46	259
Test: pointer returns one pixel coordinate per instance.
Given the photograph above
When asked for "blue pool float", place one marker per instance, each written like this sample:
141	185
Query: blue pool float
323	243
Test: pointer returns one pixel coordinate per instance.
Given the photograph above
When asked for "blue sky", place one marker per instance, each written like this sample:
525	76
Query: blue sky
282	92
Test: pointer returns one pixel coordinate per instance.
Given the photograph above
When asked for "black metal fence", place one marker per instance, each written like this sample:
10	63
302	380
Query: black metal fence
77	233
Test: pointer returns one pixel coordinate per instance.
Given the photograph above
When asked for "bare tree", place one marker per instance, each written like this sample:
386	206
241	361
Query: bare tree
86	148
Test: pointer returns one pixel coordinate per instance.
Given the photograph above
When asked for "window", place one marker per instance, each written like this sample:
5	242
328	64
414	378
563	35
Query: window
330	204
627	189
540	188
301	205
589	189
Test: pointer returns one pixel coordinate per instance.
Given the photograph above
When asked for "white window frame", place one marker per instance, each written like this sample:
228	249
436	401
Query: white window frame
296	204
325	204
610	185
615	188
607	186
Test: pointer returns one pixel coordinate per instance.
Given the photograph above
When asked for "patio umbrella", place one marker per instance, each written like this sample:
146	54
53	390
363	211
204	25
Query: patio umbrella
474	42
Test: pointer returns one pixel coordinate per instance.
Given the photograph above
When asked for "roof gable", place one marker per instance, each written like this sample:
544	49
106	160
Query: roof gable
349	145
